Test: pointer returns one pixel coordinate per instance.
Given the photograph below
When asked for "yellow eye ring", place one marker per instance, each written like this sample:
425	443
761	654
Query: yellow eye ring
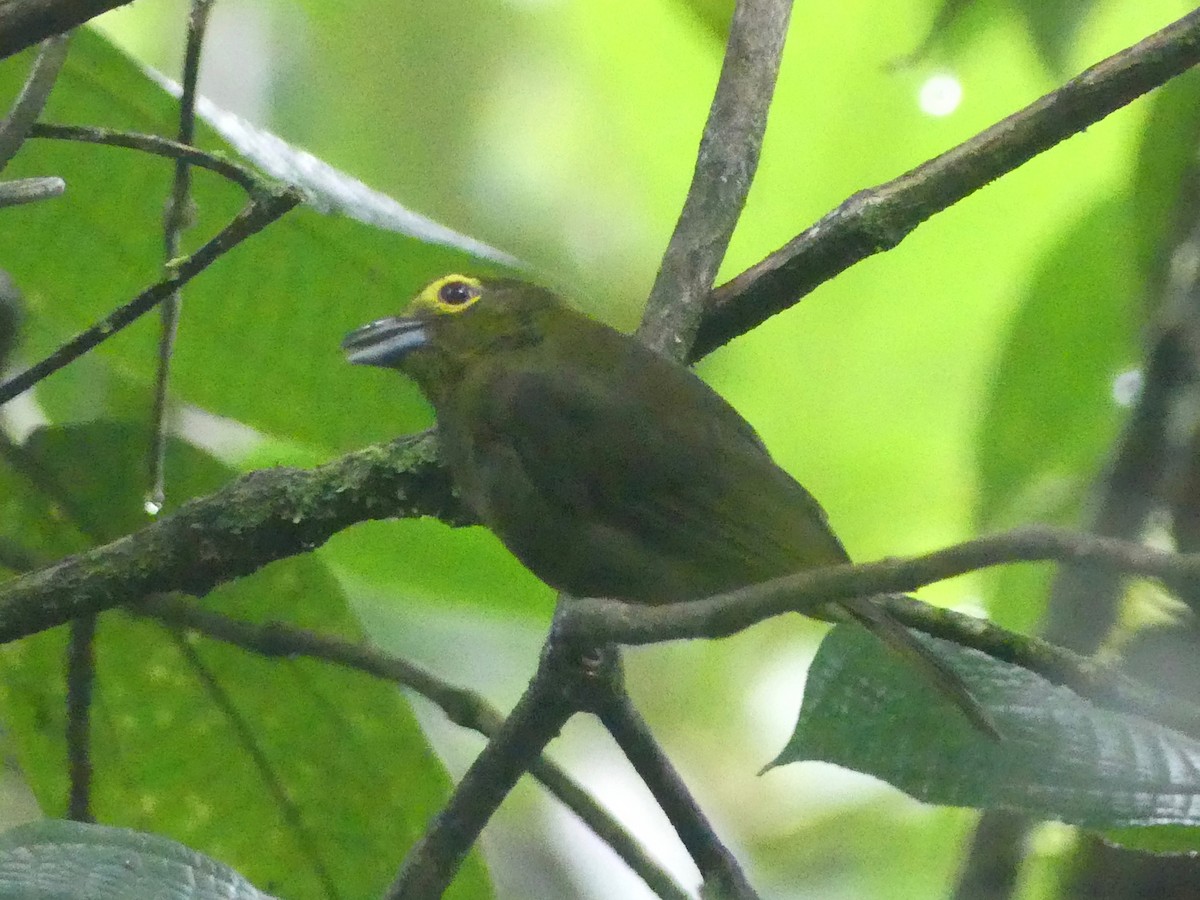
451	293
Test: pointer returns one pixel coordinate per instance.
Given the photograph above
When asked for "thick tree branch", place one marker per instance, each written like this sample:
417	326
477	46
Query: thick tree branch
25	22
262	517
878	219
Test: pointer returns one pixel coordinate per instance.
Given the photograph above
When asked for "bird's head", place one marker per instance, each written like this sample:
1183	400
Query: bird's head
453	321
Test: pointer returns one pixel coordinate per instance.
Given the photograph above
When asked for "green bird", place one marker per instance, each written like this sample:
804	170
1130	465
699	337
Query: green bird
608	470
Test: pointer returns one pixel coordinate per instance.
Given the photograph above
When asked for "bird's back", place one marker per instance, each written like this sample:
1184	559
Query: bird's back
611	471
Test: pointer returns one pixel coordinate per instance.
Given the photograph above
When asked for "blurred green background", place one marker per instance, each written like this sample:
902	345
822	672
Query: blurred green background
962	382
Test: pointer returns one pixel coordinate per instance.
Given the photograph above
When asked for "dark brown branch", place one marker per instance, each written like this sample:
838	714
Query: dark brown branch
805	592
808	592
725	167
463	707
878	219
24	23
723	876
548	702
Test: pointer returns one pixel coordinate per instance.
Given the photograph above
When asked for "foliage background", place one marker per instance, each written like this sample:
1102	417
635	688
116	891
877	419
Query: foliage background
961	382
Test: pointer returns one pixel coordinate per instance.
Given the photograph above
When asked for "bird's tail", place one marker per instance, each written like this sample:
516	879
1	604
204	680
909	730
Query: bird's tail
900	639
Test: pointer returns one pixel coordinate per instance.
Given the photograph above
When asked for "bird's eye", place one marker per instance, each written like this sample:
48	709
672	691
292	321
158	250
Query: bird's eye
455	293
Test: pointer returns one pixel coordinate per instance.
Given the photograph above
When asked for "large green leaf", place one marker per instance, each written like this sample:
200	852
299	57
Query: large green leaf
1061	757
299	774
260	331
61	860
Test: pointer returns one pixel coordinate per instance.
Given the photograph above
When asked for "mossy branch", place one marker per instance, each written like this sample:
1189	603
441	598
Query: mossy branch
257	519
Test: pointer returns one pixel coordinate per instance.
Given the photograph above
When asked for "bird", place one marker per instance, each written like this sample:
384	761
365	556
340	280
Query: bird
607	469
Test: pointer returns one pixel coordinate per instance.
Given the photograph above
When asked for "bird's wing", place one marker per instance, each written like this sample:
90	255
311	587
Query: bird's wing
687	479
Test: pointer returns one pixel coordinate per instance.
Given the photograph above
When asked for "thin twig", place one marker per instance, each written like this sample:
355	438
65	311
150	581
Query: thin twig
878	219
32	99
249	221
245	177
725	167
463	707
178	217
724	614
723	876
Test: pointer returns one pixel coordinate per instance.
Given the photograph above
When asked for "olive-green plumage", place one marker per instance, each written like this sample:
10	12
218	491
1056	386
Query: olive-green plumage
605	468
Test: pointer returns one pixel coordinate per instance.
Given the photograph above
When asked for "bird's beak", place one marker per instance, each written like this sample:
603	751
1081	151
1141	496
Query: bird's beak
385	342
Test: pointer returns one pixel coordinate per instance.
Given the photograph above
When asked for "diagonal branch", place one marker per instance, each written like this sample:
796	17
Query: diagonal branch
14	128
878	219
463	707
251	220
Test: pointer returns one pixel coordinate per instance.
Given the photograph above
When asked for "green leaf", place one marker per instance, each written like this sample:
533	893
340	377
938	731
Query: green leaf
260	330
299	773
1061	756
62	860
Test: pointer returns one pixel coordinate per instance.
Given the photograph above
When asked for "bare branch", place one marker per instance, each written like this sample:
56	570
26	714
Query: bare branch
808	591
878	219
253	183
30	190
725	168
259	518
722	874
463	707
32	99
178	217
